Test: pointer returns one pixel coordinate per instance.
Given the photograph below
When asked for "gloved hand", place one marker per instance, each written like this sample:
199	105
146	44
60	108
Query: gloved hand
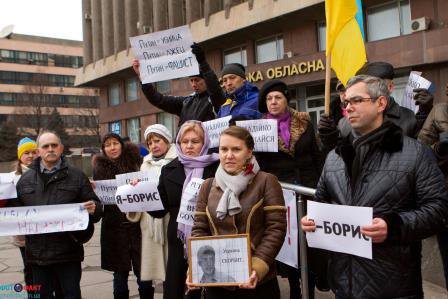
442	147
198	52
423	99
326	124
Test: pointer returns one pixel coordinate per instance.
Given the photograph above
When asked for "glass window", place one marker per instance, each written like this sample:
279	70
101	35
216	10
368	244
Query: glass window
133	126
389	20
168	120
236	55
163	87
131	90
114	94
270	49
115	127
322	35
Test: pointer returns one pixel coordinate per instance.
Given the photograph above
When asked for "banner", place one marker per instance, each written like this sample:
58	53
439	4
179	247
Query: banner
139	198
8	186
43	219
165	55
105	190
415	81
289	252
214	129
338	228
188	202
264	132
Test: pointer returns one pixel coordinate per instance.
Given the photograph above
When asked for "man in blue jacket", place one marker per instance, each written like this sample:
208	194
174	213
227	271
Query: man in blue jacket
241	96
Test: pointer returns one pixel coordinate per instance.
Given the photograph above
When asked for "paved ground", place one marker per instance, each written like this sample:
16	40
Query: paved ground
97	284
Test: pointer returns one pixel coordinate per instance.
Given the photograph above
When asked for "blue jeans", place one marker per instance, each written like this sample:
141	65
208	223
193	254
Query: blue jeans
121	290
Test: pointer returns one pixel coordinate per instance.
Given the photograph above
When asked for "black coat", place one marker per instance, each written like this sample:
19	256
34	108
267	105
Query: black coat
66	185
400	179
171	182
202	107
120	239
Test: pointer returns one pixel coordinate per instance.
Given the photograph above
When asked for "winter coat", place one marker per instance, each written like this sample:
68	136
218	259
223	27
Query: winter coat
171	182
263	217
202	107
154	230
120	239
67	185
243	103
398	177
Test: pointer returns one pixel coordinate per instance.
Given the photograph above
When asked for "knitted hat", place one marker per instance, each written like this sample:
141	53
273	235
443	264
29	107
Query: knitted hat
161	130
25	144
273	85
378	69
235	69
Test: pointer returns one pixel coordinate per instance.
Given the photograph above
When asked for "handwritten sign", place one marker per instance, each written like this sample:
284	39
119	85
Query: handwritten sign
142	176
264	132
165	55
415	81
139	198
288	253
8	185
214	129
188	202
338	228
42	219
105	190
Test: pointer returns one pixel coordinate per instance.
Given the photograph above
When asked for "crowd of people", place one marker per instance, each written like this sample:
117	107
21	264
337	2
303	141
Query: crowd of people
366	153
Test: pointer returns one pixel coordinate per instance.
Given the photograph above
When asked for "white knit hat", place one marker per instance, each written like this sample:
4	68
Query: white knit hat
159	129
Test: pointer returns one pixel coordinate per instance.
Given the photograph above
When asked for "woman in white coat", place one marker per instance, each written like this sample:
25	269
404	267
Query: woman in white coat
154	231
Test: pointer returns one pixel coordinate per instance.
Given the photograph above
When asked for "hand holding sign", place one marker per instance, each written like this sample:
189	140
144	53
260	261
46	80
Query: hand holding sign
377	231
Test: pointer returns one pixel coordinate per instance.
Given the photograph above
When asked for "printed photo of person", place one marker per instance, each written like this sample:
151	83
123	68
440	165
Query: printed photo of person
206	260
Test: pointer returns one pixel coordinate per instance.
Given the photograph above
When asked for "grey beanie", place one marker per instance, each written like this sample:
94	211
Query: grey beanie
235	69
159	129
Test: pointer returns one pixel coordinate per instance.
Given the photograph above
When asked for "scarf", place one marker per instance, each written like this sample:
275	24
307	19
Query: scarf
193	168
233	186
283	125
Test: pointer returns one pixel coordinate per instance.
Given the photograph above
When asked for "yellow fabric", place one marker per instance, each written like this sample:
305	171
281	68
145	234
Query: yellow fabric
29	146
228	102
344	38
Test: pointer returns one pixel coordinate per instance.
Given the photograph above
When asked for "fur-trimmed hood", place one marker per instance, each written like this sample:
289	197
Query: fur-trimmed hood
106	169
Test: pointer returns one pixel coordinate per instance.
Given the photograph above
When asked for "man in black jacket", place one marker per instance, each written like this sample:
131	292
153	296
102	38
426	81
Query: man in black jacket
51	181
399	178
202	105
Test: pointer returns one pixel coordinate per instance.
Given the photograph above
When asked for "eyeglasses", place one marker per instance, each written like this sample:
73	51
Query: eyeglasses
355	101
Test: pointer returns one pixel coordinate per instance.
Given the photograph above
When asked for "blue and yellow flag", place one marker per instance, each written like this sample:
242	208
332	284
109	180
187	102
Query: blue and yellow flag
345	37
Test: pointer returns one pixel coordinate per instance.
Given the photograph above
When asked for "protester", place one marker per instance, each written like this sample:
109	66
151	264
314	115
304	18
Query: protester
241	199
241	95
192	144
154	230
435	134
399	178
55	257
202	105
120	239
298	161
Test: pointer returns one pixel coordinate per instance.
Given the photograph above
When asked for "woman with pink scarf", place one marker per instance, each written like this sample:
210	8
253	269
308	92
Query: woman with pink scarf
192	144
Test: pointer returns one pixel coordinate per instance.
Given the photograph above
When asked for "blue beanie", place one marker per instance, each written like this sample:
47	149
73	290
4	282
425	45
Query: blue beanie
25	144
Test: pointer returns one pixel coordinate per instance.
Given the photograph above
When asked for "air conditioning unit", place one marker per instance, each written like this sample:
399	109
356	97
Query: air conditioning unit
287	54
420	24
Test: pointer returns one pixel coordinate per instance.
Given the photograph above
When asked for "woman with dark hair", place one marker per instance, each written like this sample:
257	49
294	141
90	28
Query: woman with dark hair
192	162
241	199
298	161
120	238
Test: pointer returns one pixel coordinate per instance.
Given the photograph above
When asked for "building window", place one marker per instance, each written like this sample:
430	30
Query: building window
131	90
322	35
270	49
388	20
114	94
236	55
163	87
133	127
168	120
115	127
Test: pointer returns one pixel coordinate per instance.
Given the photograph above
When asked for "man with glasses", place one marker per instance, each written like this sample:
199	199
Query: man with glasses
399	178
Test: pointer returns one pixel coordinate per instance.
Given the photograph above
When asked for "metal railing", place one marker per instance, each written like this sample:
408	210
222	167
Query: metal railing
300	190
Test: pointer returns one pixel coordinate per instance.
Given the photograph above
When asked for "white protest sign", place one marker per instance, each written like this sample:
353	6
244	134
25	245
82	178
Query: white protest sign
8	186
188	202
165	55
42	219
139	198
142	176
214	129
289	252
105	190
338	228
415	81
264	132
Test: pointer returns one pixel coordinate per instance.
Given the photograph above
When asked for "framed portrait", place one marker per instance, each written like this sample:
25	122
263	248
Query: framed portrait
219	260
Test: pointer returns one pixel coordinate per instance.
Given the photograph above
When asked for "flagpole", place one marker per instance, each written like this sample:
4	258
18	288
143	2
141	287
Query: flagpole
327	83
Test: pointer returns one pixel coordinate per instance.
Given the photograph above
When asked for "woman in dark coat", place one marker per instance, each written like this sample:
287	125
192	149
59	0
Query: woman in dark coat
298	161
192	144
120	239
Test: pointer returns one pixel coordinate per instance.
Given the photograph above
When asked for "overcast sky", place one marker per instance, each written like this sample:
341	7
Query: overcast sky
52	18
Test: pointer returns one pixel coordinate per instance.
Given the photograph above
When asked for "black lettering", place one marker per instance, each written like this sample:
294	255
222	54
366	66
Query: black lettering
129	196
345	229
356	231
337	229
327	228
118	197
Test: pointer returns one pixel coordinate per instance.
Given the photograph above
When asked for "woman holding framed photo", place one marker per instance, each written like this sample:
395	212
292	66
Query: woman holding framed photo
241	199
